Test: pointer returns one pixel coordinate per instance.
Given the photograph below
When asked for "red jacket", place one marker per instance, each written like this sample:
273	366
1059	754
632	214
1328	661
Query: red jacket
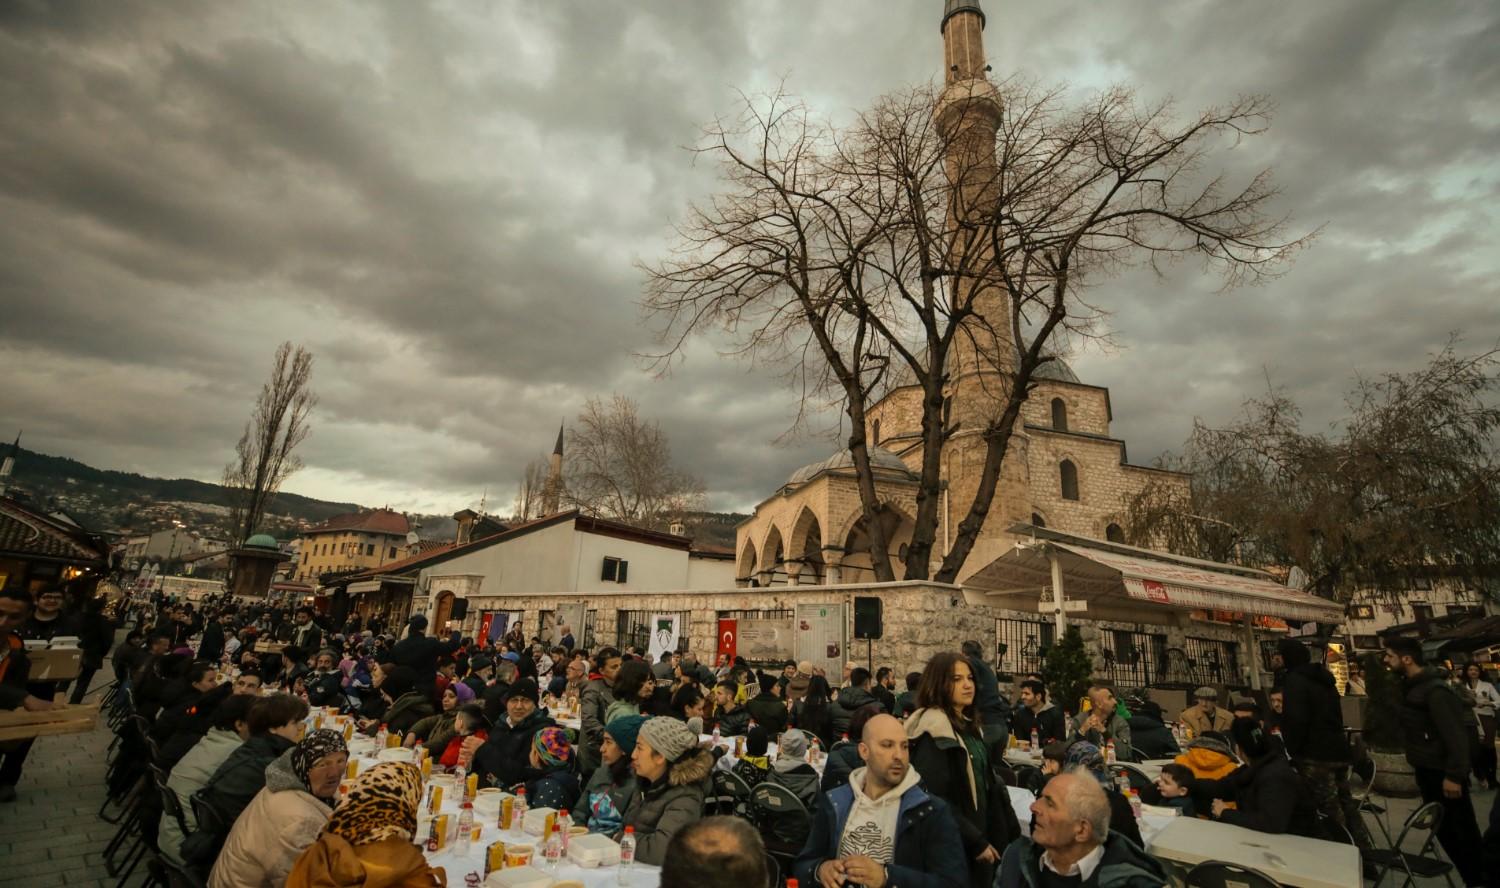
449	758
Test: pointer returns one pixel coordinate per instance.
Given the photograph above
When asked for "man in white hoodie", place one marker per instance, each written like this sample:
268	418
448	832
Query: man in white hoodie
882	828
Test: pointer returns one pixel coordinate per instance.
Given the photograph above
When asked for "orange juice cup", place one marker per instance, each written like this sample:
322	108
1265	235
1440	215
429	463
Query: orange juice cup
353	768
440	822
507	812
517	855
473	787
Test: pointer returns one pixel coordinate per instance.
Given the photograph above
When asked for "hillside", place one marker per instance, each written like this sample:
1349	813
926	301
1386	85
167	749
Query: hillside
107	501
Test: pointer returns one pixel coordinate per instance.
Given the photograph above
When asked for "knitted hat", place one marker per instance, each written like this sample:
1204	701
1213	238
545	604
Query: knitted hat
463	692
624	730
524	688
480	662
551	745
668	736
793	744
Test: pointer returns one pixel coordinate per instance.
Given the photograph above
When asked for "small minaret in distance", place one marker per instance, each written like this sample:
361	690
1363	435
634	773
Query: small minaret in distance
552	490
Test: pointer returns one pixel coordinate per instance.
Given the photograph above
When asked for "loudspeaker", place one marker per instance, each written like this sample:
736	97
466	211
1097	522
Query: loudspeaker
867	616
459	610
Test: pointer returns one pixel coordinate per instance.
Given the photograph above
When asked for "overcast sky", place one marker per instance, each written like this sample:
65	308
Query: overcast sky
444	202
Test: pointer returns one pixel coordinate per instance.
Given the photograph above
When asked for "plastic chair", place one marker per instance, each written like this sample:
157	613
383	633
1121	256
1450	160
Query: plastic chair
1220	874
773	872
730	795
782	819
1426	863
1030	778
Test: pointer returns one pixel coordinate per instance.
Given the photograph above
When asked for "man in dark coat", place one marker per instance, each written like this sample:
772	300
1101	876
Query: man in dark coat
766	708
1312	729
851	699
848	843
211	645
504	759
422	653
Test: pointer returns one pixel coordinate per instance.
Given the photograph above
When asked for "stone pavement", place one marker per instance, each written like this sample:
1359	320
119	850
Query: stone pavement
52	833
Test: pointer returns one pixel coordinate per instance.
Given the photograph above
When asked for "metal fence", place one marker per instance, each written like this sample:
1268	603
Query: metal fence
778	614
1211	661
1023	645
1132	659
633	628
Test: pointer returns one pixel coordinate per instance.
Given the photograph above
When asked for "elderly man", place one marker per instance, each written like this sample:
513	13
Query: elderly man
882	828
1205	715
715	851
1071	843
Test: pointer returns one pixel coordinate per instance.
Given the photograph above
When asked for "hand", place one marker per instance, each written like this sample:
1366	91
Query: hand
1452	789
35	704
470	746
831	873
988	855
865	871
1219	807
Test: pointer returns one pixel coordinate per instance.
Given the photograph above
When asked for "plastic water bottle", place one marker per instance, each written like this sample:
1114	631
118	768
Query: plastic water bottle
380	736
565	826
465	827
1109	752
1036	740
627	854
553	850
461	783
1135	804
518	820
716	735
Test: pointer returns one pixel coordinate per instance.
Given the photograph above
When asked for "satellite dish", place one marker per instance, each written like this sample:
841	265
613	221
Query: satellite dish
412	538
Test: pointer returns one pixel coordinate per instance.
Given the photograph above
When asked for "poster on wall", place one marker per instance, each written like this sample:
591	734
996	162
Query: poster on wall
572	615
767	641
664	634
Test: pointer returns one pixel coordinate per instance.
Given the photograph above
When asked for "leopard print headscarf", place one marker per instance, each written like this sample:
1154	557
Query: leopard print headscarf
382	804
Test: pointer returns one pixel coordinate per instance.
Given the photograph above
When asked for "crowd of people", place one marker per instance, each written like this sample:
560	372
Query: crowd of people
913	790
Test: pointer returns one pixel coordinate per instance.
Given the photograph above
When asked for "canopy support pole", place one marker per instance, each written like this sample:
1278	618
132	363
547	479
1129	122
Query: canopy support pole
1252	652
1057	593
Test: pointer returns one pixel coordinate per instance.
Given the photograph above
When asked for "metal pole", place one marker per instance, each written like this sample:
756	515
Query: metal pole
1057	593
1252	652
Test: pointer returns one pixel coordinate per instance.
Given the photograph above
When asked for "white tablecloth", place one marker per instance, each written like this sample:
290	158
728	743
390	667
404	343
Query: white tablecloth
459	864
1290	860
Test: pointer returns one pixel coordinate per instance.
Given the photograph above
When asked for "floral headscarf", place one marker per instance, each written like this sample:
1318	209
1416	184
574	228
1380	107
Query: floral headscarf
1083	754
382	804
314	747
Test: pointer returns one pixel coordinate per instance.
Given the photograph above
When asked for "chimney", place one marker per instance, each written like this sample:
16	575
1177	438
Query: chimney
465	519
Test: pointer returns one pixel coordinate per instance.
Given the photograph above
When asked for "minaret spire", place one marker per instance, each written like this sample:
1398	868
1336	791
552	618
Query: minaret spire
553	488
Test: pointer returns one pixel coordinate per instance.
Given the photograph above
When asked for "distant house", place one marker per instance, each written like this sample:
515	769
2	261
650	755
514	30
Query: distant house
38	550
356	541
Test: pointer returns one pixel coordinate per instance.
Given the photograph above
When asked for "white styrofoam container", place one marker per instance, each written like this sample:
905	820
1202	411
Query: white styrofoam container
518	877
536	820
593	850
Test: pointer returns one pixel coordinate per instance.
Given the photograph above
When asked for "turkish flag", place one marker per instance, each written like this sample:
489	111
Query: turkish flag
728	635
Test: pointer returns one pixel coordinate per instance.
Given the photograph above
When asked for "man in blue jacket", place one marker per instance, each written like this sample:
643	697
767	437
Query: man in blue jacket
882	828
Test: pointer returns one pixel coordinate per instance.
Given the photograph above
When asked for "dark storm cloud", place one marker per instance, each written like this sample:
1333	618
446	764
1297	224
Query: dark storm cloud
445	201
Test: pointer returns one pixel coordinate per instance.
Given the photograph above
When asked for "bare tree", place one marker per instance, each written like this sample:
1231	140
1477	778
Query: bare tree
529	496
264	456
1406	486
619	466
947	230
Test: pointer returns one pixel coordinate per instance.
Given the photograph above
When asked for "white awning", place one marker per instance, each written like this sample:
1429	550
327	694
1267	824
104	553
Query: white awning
1168	581
363	586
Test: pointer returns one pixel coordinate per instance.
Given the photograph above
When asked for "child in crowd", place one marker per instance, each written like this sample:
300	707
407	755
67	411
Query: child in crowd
1174	784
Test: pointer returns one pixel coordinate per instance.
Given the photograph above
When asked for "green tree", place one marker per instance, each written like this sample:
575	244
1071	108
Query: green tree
1068	670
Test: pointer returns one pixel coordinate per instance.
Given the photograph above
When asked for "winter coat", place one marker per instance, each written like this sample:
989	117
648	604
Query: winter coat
189	775
1150	738
1194	717
928	852
278	825
326	689
211	645
850	699
1116	728
980	805
801	779
1270	796
819	723
796	688
331	862
448	758
1432	718
735	723
665	807
556	789
406	710
620	709
841	762
421	653
769	712
1050	723
593	704
243	774
437	730
1124	865
503	759
621	796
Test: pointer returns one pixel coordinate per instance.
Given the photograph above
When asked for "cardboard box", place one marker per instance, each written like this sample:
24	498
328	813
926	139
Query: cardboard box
55	665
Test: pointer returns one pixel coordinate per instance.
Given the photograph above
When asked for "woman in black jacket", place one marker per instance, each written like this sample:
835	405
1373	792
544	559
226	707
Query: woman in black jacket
814	712
1270	796
948	750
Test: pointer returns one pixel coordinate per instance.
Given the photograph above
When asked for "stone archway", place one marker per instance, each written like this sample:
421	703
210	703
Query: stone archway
772	566
806	547
744	574
855	567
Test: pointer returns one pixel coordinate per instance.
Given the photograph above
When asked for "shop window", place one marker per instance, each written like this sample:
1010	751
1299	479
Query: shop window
1068	474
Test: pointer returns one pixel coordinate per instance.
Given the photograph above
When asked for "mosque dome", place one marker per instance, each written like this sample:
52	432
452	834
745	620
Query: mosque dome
1057	369
881	460
262	541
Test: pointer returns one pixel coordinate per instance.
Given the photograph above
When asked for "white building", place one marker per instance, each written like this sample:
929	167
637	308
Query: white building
1373	611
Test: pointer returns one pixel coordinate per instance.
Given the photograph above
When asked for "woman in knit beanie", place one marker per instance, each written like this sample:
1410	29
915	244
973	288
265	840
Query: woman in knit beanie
611	789
674	774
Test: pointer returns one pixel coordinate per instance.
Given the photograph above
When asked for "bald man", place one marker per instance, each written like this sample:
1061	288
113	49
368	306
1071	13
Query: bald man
882	828
715	851
1071	843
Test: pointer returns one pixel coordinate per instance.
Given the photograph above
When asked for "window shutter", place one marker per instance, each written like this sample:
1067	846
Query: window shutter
608	575
624	570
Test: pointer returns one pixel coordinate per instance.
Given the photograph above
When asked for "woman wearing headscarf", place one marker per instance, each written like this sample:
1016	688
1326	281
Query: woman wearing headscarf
369	839
611	788
948	750
1085	755
554	786
284	817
